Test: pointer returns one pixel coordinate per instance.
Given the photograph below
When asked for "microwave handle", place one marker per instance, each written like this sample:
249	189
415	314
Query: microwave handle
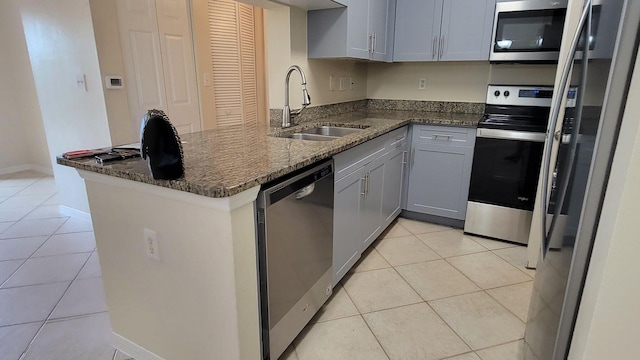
553	121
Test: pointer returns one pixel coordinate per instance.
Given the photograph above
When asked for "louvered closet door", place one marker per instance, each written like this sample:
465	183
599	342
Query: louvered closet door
233	55
181	89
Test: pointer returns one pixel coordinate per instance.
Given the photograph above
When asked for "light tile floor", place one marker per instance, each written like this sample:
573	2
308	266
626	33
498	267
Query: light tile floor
422	291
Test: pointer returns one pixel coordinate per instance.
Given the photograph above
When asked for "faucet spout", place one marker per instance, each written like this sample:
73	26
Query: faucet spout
287	113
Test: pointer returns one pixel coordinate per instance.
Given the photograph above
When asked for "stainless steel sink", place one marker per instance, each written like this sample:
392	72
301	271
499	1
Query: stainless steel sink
336	131
312	137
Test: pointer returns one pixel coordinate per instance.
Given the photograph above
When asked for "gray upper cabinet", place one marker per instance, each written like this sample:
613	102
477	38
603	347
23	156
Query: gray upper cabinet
440	170
443	30
362	30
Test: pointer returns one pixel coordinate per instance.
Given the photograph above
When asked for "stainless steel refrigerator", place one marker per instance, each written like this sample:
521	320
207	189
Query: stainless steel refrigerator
579	176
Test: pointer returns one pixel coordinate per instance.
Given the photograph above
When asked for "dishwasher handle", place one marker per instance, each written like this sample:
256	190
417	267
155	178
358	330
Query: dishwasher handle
301	184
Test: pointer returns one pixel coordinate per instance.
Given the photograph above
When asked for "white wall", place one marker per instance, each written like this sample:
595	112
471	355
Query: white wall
22	140
286	42
449	81
607	324
61	44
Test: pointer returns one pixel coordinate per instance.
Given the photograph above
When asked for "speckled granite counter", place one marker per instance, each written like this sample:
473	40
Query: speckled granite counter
229	160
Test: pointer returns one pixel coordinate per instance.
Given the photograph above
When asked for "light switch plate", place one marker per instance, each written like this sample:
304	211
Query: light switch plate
344	83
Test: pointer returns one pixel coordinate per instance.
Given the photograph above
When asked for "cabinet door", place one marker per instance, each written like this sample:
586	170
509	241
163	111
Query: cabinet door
439	179
466	29
371	209
379	22
393	180
359	30
347	237
417	30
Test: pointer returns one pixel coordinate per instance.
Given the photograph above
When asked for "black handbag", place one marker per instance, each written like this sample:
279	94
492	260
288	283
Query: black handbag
160	145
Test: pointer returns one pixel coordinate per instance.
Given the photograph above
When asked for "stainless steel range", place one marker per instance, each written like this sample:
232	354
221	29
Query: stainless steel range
506	161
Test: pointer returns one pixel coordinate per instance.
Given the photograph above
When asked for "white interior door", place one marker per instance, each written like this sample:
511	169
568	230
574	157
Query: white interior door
178	61
159	60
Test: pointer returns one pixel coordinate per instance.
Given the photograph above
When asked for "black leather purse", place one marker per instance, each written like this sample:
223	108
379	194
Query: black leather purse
160	145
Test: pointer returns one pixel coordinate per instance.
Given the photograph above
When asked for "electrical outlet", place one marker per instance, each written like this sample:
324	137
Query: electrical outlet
151	244
352	83
422	84
332	83
343	83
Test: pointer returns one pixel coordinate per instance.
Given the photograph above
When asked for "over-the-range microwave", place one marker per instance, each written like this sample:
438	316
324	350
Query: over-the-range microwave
531	30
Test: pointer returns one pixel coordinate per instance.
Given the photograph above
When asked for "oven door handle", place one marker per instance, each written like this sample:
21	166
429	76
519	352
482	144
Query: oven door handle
511	135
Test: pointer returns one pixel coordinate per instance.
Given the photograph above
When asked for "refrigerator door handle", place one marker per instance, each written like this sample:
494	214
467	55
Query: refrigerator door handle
553	121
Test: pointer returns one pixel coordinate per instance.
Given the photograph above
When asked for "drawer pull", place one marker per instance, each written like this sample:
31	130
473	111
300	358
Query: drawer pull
437	136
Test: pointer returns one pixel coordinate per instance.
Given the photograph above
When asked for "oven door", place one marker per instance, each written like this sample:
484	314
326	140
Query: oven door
528	30
505	170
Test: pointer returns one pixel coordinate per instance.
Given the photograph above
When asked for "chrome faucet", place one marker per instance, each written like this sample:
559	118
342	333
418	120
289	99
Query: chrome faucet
287	113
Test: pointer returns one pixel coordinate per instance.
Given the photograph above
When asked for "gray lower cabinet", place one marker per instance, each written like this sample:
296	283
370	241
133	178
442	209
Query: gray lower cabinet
439	30
367	196
440	170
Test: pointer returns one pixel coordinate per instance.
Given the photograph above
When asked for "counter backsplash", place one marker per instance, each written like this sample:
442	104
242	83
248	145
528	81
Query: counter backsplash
313	113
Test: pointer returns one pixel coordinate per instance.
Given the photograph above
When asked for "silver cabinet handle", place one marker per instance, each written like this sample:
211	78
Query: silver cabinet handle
413	157
441	47
374	43
435	47
370	43
368	182
404	157
363	186
436	136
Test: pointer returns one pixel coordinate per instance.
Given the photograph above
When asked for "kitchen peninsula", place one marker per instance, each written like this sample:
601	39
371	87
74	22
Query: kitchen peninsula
196	295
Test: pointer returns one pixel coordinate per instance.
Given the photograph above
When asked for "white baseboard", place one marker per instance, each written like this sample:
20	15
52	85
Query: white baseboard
132	349
15	169
69	211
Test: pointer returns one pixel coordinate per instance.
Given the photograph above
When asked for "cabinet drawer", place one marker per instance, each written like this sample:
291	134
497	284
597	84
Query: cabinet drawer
397	138
444	135
346	162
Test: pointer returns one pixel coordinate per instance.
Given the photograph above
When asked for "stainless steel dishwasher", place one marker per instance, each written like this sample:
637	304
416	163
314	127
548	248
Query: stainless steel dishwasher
295	253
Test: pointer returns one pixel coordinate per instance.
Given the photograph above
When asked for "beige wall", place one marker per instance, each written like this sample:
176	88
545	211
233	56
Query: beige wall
105	27
607	325
61	44
22	139
449	81
286	39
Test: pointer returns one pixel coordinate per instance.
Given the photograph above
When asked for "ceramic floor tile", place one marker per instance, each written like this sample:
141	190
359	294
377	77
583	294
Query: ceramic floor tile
516	256
29	174
342	339
47	212
289	354
370	260
84	296
414	332
8	267
6	191
337	307
21	248
45	186
14	213
71	243
53	200
436	280
91	268
87	337
467	356
510	351
395	230
421	227
479	320
75	225
3	198
5	225
450	243
122	356
405	250
25	200
379	289
15	339
29	303
488	270
491	244
30	228
50	269
515	298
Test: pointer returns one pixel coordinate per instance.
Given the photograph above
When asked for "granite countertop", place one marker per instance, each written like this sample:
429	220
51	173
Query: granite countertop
229	160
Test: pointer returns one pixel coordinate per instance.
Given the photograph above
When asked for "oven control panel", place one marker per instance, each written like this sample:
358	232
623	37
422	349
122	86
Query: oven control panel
525	95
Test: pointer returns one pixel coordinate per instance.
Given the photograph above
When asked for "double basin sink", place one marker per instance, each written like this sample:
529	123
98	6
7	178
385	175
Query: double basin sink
322	133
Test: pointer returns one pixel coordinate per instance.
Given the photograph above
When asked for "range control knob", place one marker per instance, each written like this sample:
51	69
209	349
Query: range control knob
497	93
506	93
